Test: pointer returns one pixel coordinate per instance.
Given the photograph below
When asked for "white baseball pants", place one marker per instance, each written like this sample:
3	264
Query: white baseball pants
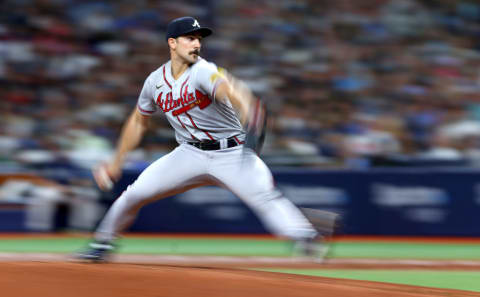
187	167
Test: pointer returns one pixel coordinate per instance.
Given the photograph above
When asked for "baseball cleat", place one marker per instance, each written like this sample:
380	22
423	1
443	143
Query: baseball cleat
96	252
315	248
326	224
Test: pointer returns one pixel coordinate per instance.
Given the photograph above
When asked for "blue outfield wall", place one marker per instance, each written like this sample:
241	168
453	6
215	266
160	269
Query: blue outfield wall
426	202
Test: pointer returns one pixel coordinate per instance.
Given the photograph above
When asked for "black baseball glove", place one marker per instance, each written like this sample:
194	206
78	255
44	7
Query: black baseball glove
256	127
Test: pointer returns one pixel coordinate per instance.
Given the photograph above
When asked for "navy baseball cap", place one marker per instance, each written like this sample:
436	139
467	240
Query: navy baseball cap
185	25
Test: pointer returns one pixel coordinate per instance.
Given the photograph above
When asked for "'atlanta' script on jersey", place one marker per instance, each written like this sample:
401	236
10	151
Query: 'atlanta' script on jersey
186	101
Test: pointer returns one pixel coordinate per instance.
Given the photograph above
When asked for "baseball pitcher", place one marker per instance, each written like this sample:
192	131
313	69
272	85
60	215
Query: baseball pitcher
219	125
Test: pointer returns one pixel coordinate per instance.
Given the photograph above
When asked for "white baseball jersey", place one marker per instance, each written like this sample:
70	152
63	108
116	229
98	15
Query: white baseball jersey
189	103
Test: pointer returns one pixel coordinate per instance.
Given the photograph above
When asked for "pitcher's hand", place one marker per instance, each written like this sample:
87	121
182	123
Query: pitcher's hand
106	174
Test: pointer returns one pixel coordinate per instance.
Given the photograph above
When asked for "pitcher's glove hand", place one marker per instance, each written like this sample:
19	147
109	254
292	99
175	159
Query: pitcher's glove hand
256	127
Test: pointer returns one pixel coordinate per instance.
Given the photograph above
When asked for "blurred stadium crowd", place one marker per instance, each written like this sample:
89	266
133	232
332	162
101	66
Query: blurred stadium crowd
349	83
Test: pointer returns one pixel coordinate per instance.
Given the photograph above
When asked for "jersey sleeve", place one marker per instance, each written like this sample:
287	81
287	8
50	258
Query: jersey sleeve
209	77
146	101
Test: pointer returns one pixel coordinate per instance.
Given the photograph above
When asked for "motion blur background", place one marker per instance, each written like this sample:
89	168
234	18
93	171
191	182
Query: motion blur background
375	108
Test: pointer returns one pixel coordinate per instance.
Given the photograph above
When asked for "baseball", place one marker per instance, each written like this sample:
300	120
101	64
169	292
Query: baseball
104	178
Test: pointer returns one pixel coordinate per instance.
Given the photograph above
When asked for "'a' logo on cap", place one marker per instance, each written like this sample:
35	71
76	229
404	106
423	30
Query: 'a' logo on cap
196	24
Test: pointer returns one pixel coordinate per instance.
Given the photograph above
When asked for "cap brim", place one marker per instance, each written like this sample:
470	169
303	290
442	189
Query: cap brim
204	31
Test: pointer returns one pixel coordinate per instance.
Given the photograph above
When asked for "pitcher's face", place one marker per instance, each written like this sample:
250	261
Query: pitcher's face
187	47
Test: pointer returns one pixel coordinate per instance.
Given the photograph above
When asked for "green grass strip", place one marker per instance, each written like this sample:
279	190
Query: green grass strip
184	246
247	247
460	280
232	247
396	250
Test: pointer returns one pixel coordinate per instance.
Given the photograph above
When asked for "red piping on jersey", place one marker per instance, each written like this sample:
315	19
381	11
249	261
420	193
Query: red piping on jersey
165	78
196	127
237	140
181	123
143	110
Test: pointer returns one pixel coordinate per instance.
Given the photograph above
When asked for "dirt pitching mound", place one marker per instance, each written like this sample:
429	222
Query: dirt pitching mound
67	279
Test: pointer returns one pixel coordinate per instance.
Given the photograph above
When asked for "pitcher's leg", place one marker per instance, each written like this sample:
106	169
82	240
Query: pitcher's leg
172	174
279	214
250	179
